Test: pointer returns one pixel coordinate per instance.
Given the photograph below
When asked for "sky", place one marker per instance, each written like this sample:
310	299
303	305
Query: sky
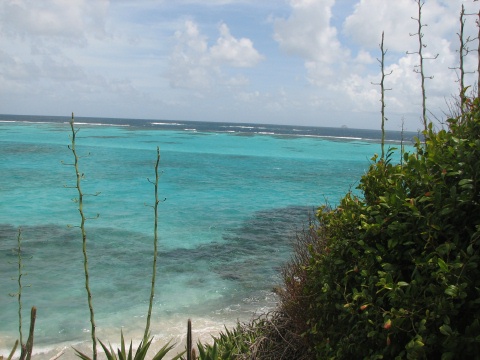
297	62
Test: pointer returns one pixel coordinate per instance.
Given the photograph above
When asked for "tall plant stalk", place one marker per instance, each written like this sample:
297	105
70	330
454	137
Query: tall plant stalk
463	51
155	248
25	349
420	68
19	295
420	55
383	89
189	340
461	56
79	177
28	348
478	63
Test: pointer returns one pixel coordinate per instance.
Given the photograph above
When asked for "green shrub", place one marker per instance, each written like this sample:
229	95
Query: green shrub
267	337
398	274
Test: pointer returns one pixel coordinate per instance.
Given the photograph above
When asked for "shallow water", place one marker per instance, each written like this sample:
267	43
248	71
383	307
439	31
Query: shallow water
233	201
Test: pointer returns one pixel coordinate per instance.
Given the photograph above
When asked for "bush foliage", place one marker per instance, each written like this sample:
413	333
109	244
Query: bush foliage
395	272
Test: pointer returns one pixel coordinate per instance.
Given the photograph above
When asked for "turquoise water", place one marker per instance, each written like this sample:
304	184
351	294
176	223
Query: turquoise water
233	202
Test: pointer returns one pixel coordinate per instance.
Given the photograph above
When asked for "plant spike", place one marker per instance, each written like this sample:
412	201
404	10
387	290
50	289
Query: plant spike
383	89
19	295
26	352
461	55
189	340
84	236
155	249
478	65
420	67
463	51
420	54
402	146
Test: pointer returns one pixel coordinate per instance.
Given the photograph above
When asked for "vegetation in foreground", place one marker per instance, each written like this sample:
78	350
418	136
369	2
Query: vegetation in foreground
391	274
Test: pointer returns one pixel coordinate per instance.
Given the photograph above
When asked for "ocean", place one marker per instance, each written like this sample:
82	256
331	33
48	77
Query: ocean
233	196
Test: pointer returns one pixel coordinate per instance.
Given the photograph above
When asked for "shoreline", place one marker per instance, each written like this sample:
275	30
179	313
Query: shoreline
202	329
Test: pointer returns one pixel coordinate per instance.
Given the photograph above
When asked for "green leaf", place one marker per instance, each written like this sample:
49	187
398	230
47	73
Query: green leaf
451	290
109	353
122	344
465	183
448	356
443	265
13	351
130	352
419	343
142	350
81	355
163	351
179	356
470	250
446	330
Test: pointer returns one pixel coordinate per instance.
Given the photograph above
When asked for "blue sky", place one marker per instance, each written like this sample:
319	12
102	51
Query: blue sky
299	62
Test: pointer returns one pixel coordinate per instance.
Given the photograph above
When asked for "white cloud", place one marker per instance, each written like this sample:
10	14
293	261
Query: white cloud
391	17
190	65
248	96
308	33
14	69
39	38
397	19
364	57
237	81
58	56
234	52
195	65
54	19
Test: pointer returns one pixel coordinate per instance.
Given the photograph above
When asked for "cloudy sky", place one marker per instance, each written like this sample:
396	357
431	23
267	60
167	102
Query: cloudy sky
299	62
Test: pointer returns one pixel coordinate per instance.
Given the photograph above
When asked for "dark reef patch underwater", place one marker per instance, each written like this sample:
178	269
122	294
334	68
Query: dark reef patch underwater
247	259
